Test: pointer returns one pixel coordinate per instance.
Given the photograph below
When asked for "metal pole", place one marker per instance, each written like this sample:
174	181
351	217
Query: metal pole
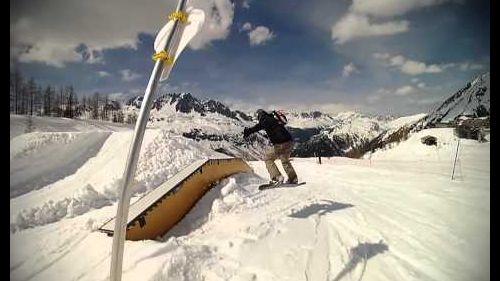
456	154
133	155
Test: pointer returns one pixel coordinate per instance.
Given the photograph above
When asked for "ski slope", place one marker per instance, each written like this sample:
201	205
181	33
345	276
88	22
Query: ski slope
395	215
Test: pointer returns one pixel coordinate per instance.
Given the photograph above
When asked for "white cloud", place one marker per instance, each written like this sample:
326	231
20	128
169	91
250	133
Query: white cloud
353	26
246	4
49	31
219	16
260	35
389	8
103	73
470	66
409	66
413	67
405	90
246	26
128	75
421	85
363	18
383	56
349	69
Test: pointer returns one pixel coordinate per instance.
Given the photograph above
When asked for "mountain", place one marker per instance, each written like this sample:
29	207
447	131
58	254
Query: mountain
220	128
351	134
186	103
473	100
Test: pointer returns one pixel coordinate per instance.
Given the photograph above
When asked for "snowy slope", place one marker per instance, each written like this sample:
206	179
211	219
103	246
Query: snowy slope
396	216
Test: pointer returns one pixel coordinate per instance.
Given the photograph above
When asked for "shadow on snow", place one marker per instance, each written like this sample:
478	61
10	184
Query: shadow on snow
320	209
361	253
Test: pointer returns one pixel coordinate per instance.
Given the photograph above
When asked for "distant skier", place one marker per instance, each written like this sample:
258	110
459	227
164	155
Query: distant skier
274	125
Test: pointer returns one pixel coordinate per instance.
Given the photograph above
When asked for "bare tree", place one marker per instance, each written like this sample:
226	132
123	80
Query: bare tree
39	100
95	106
105	107
76	111
48	98
17	88
31	95
84	107
69	102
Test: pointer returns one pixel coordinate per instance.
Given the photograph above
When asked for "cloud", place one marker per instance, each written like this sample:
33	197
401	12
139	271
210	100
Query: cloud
421	85
128	75
260	35
246	4
470	66
409	66
390	8
405	90
219	16
103	73
88	54
50	31
363	18
349	69
353	26
246	27
413	67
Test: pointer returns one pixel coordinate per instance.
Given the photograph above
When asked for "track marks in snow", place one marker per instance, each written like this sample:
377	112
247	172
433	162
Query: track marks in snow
318	262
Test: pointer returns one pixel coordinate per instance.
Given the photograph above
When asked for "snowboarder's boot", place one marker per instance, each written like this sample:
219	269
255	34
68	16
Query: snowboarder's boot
277	180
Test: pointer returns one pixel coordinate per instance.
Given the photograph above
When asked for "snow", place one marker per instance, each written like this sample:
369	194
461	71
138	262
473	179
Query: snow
466	101
406	120
38	159
396	215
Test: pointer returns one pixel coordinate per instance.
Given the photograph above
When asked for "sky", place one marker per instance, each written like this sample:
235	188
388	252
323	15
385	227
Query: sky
372	56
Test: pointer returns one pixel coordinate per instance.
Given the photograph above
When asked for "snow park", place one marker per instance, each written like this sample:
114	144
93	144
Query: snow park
250	140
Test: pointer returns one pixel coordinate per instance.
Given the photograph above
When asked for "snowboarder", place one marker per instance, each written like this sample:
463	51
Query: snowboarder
274	125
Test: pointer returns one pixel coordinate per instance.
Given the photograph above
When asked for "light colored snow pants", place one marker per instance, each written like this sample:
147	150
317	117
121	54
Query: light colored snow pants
281	151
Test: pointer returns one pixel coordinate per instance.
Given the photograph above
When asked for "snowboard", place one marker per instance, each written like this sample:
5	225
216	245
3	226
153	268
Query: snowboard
277	185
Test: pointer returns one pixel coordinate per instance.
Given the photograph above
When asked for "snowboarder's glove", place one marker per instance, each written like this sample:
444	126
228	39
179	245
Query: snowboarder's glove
246	133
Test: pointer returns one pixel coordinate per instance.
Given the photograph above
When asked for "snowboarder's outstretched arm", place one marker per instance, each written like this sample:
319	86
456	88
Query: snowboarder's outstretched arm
251	130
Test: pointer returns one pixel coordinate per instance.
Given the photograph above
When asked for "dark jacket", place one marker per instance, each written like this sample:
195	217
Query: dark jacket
276	132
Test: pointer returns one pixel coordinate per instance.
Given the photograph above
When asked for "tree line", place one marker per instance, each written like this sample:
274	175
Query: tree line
30	98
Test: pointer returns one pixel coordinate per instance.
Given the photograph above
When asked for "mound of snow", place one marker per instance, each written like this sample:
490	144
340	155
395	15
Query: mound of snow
163	155
83	200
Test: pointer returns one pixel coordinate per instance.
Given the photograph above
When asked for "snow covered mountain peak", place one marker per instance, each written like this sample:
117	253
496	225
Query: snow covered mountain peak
472	100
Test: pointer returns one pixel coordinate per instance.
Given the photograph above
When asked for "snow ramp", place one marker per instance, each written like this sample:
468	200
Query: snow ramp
159	210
